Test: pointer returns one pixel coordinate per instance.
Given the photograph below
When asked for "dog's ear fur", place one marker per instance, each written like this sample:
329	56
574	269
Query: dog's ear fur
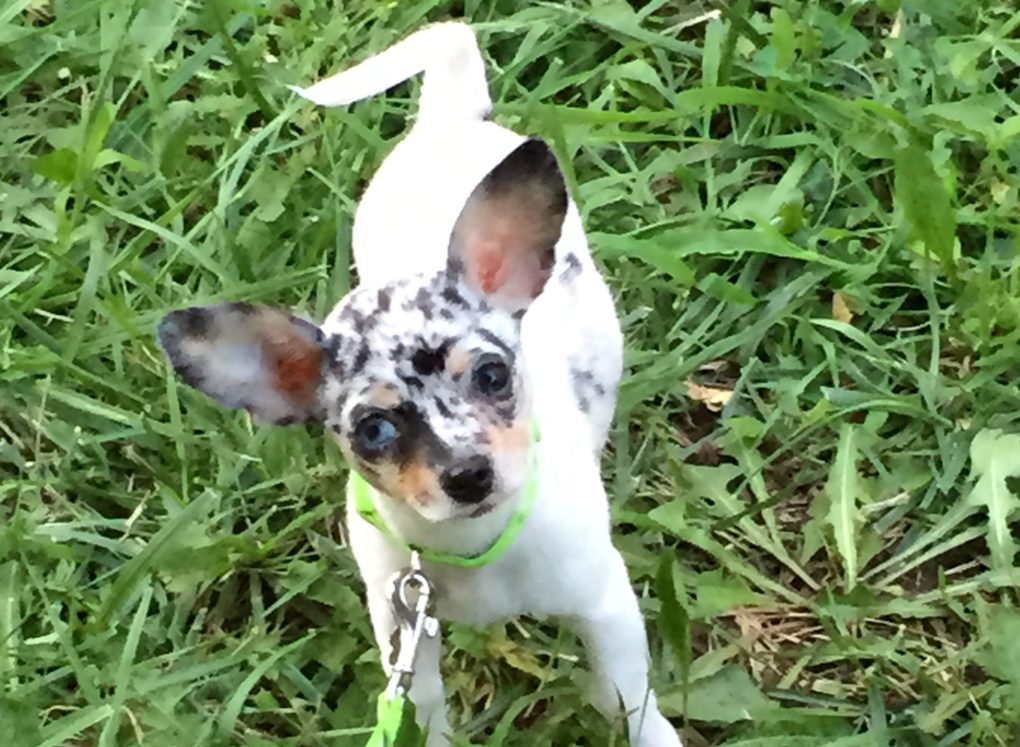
503	241
248	357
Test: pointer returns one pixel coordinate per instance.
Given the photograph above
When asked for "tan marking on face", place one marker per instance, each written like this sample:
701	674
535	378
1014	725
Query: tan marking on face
418	483
457	361
415	483
513	438
383	476
384	396
388	479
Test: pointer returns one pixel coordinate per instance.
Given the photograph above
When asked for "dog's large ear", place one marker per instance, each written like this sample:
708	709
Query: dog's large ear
503	242
248	357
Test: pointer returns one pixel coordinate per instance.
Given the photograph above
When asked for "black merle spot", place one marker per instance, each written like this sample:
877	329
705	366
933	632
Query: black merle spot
413	381
427	361
384	299
584	386
193	322
451	295
581	376
334	354
397	352
314	330
191	374
571	269
355	317
425	301
487	335
360	359
442	408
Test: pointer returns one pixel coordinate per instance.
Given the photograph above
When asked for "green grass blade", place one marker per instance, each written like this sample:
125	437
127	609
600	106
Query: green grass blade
843	490
136	569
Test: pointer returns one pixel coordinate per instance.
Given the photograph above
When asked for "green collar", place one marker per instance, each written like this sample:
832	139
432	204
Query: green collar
363	496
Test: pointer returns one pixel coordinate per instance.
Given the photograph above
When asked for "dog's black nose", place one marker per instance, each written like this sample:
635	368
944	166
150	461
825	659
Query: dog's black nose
470	481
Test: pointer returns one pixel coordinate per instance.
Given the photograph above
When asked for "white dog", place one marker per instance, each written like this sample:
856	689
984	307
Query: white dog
470	380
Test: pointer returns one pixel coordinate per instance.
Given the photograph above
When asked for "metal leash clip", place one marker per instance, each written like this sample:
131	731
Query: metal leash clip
413	621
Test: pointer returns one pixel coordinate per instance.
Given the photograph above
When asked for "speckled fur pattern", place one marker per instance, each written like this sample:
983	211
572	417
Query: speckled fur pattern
411	344
468	251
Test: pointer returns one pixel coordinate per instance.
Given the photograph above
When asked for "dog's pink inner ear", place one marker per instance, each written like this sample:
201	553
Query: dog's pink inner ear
506	233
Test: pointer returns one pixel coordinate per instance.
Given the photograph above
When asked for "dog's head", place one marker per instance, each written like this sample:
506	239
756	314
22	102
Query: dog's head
421	380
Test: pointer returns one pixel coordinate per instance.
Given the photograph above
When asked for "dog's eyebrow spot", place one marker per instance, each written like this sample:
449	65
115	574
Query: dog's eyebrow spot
384	396
457	361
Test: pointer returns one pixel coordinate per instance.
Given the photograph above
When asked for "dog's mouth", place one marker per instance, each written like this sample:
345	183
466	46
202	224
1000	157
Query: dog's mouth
482	510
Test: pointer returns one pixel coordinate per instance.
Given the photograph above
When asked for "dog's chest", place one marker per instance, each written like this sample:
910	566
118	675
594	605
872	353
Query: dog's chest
483	596
546	573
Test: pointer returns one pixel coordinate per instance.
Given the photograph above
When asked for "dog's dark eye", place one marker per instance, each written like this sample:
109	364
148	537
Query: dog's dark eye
492	378
374	434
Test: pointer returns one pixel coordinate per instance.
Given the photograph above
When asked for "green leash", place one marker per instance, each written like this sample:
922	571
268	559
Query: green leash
395	725
395	716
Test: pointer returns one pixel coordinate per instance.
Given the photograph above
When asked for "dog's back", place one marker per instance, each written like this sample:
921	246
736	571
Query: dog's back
571	336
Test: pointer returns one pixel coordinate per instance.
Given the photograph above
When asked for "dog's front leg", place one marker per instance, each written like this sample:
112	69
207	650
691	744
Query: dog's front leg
426	690
613	634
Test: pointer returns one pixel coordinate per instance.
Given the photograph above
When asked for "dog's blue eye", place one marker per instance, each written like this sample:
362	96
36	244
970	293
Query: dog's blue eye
375	433
492	378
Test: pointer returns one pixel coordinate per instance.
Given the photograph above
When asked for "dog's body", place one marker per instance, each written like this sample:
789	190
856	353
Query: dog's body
480	314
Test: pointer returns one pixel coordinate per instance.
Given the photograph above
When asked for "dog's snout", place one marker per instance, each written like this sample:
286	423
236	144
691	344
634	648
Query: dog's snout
469	481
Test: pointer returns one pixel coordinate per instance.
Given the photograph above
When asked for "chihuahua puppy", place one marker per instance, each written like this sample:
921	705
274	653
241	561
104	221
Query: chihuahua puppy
480	320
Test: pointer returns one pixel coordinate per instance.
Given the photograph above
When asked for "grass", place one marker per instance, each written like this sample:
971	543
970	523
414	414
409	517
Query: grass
809	211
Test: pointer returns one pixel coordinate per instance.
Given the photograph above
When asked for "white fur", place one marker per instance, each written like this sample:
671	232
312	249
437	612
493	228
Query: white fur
563	562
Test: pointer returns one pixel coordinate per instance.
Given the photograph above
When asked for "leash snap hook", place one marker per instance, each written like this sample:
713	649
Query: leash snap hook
410	595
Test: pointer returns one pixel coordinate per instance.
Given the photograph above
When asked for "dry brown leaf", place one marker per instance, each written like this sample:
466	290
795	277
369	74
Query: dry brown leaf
840	311
712	397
